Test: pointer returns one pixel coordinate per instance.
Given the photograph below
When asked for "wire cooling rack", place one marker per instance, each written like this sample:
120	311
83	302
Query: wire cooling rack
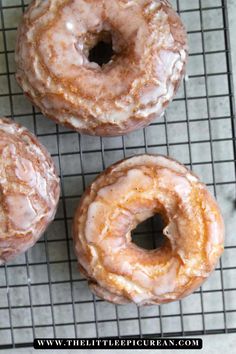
41	292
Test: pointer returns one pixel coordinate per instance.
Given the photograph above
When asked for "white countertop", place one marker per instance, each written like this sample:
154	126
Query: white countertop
213	344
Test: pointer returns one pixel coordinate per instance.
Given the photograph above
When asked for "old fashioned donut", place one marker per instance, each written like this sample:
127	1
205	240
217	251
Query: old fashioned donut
57	64
29	189
123	196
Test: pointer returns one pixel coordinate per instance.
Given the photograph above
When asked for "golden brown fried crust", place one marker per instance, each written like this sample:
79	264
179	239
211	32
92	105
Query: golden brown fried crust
123	196
29	189
150	45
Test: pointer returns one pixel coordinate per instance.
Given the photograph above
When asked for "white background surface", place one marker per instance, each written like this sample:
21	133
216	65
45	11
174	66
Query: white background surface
212	344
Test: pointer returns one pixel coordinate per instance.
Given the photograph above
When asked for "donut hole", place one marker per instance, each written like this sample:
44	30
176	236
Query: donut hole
149	234
102	52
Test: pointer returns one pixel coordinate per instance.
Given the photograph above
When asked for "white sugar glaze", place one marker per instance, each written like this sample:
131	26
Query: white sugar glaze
126	194
29	189
134	87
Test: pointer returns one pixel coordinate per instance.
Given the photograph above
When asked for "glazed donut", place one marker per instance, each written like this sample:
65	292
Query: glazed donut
125	195
58	71
29	189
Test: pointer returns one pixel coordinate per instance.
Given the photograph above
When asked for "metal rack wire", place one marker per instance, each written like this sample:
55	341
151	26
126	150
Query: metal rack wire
41	293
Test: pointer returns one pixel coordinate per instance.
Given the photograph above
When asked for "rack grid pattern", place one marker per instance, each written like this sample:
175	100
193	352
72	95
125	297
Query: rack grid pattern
42	294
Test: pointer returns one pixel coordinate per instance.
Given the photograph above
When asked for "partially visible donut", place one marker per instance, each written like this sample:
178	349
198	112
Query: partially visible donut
126	194
29	189
56	72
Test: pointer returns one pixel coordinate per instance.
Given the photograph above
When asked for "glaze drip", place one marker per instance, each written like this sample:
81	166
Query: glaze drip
128	193
134	85
29	189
